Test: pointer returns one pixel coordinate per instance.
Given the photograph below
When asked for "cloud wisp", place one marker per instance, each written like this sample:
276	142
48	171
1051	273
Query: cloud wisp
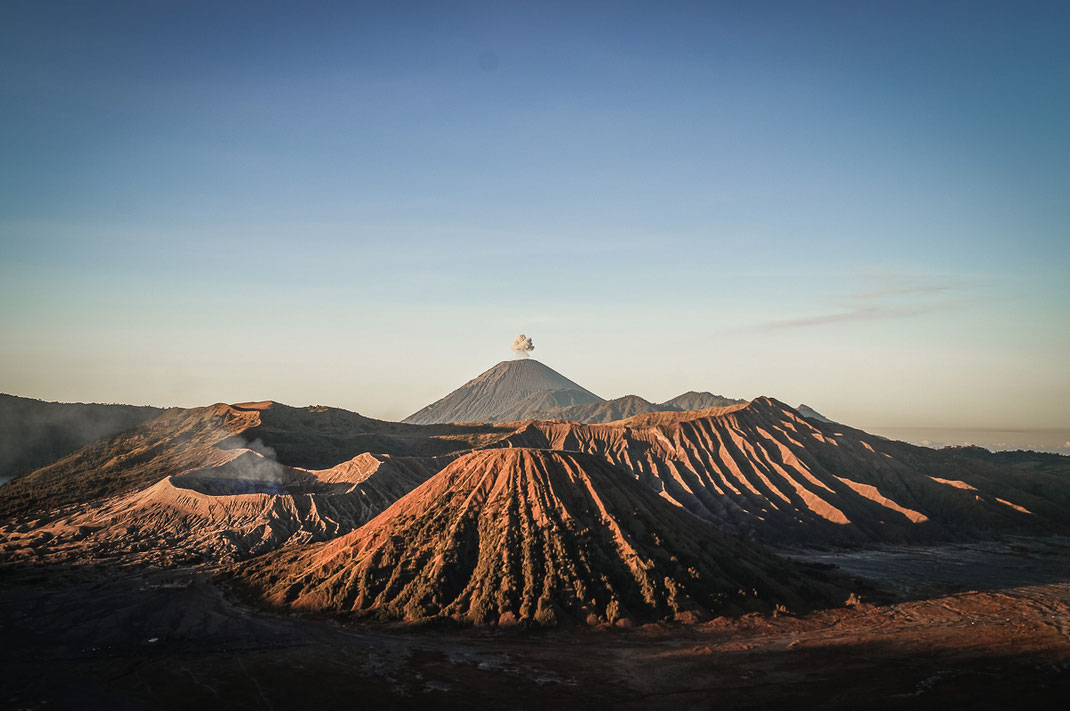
902	300
865	313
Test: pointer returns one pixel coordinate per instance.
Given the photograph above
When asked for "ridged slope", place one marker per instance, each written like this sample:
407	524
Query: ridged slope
183	439
244	506
494	396
762	470
529	536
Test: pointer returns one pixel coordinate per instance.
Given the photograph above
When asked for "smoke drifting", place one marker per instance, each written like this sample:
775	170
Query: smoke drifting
522	345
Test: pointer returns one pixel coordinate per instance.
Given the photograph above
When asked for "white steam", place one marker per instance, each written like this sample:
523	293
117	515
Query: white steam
522	345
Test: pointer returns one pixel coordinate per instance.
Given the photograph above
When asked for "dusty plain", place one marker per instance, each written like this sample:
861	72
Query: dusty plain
177	639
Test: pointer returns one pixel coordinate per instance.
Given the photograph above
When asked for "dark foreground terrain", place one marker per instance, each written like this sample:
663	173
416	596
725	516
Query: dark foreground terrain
178	640
221	557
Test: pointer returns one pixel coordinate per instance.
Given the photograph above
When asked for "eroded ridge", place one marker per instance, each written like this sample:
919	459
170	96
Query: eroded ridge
533	536
761	469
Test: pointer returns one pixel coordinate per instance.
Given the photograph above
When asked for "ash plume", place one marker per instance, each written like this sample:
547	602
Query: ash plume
522	345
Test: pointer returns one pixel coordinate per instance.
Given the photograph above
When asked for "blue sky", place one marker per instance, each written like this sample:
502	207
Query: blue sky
860	205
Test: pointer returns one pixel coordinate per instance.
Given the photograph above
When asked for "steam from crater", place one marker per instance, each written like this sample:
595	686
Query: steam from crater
522	345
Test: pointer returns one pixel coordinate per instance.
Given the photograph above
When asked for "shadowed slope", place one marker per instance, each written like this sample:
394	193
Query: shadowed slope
762	470
812	414
34	433
503	536
175	441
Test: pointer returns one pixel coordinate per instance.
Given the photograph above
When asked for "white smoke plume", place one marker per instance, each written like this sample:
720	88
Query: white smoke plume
522	345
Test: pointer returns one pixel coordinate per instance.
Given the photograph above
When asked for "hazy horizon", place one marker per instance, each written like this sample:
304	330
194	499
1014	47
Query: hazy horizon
860	207
1056	440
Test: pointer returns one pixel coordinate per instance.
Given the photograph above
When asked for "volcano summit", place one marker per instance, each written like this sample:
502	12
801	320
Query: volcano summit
526	389
508	391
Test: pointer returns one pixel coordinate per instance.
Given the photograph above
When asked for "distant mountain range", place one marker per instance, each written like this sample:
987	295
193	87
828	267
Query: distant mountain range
811	413
526	389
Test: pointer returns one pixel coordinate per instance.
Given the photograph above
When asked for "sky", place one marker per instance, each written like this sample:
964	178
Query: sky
859	205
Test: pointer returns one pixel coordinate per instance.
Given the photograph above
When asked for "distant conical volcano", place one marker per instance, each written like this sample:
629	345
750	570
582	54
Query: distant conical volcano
508	391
